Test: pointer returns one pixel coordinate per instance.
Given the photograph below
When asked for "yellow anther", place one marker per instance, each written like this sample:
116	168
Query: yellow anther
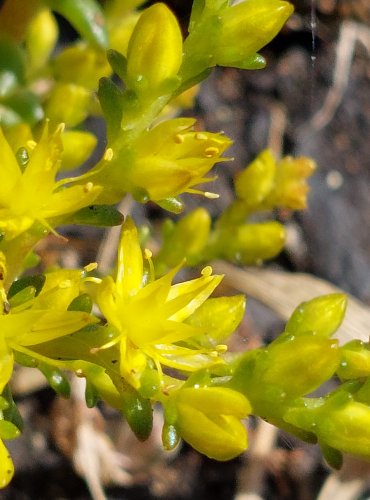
179	139
211	196
108	154
91	267
31	144
200	136
206	271
88	187
211	152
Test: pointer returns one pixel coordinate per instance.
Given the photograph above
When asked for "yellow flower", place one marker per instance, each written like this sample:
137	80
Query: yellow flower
166	161
33	195
34	320
149	318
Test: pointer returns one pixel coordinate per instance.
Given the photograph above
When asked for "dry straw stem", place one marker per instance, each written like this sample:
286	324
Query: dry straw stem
350	33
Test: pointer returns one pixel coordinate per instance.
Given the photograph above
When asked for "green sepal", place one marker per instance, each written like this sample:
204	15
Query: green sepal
111	101
81	303
98	216
21	106
138	413
23	296
118	63
3	404
91	394
11	413
8	430
332	456
25	360
37	282
86	16
255	61
322	315
56	379
12	64
150	383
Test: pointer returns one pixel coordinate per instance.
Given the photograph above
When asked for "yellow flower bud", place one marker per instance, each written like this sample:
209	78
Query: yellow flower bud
248	26
41	38
68	103
77	147
208	419
155	50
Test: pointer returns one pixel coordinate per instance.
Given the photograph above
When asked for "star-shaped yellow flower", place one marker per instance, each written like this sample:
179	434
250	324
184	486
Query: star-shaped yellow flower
33	194
149	318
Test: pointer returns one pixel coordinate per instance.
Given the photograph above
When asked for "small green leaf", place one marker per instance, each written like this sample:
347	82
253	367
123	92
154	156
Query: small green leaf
97	215
138	413
56	379
111	101
12	64
91	395
37	282
86	16
81	303
25	107
118	63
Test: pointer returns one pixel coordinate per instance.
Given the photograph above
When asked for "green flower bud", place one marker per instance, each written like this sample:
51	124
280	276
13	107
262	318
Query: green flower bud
247	27
187	239
219	317
355	360
154	52
338	421
322	315
301	364
251	243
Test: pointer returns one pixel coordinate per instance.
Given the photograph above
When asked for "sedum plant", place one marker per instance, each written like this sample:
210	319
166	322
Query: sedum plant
151	339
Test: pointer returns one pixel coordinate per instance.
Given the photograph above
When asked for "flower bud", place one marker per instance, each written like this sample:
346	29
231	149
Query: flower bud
77	148
355	360
255	182
209	420
322	315
154	52
251	243
78	99
41	38
187	240
248	26
338	421
301	364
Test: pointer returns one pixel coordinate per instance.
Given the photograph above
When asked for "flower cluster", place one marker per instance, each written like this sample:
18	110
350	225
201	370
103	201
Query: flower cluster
151	340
